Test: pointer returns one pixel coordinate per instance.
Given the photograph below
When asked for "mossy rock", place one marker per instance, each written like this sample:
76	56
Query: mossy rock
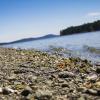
20	86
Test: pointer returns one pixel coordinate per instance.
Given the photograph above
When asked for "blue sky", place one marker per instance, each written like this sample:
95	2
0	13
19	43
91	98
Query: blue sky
32	18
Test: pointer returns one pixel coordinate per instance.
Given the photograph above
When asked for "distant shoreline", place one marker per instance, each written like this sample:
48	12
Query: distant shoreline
89	27
30	39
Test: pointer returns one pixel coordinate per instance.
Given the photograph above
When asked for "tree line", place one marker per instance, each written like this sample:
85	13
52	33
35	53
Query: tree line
89	27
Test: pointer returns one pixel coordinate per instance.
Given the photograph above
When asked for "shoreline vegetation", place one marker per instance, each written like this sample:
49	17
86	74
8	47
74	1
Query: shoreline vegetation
89	27
36	75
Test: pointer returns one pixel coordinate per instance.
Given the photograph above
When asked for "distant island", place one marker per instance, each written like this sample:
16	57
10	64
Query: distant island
30	39
89	27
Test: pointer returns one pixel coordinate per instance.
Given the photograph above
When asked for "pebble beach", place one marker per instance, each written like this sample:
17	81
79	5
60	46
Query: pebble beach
37	75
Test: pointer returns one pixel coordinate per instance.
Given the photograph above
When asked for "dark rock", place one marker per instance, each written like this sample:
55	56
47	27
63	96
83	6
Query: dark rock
98	70
91	92
19	71
7	91
64	85
86	61
26	91
98	92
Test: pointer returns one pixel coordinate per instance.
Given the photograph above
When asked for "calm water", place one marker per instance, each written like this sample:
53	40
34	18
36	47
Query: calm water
79	44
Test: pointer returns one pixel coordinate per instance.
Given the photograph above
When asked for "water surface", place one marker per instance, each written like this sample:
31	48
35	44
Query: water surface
86	45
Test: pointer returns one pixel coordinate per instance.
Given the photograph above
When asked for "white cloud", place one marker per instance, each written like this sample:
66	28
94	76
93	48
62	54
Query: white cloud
93	14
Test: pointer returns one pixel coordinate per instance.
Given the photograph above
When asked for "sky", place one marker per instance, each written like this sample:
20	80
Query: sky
32	18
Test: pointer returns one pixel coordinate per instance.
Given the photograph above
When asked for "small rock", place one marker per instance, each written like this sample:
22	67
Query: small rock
7	91
97	64
87	85
34	77
26	91
53	76
98	92
49	82
92	77
61	97
60	80
97	84
81	89
43	95
81	98
64	85
1	90
98	70
91	92
65	74
19	71
12	78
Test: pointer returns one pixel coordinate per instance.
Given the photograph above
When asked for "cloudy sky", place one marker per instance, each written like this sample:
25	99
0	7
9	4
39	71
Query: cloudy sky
32	18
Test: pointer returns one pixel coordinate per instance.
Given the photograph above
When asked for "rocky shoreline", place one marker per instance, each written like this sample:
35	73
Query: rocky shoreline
36	75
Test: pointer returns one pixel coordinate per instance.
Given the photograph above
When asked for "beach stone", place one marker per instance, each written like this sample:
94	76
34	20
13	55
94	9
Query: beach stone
97	64
61	97
1	90
12	78
98	92
97	84
92	77
7	91
82	89
98	70
65	74
43	95
65	85
24	66
81	98
26	91
49	82
91	92
60	80
87	84
19	71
